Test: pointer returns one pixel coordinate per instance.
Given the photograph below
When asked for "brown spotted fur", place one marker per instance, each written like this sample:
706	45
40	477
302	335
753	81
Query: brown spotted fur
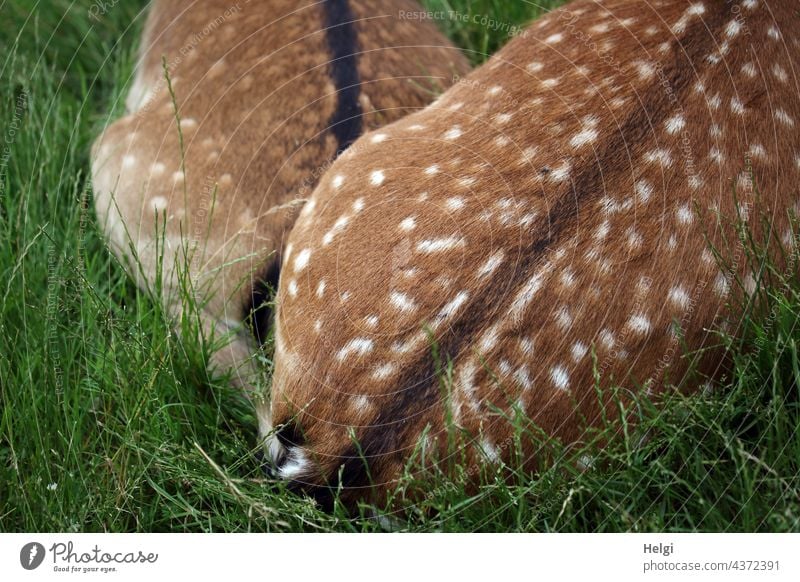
553	203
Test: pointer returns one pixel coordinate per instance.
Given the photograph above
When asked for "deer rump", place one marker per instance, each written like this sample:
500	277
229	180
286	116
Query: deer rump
551	215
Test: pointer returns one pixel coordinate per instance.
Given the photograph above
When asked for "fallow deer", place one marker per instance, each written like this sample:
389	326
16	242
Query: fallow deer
202	179
551	219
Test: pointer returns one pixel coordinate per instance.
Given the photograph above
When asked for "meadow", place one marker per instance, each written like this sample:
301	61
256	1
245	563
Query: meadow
110	423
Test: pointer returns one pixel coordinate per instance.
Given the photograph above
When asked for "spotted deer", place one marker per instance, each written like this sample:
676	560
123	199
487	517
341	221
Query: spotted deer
554	225
203	178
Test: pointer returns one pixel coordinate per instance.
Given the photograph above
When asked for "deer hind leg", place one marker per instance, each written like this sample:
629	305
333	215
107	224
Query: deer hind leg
154	254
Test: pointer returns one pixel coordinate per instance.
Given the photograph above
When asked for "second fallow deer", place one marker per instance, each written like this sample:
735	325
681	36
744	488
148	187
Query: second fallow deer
551	217
198	185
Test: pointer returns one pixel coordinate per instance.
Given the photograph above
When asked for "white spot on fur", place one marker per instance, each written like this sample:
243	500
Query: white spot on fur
784	117
561	173
491	263
439	245
453	133
634	239
563	318
308	209
643	190
579	350
361	403
675	124
402	301
490	451
526	295
523	378
338	226
780	73
607	339
586	136
684	214
489	339
377	177
453	306
660	156
757	151
301	261
455	203
679	297
693	10
732	28
645	70
408	224
639	324
384	371
359	346
721	285
188	124
560	377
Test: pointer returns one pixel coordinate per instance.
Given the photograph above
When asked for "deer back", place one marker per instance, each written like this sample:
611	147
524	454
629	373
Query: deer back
563	213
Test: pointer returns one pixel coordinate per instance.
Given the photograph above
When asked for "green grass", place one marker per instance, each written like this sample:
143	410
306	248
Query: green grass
108	421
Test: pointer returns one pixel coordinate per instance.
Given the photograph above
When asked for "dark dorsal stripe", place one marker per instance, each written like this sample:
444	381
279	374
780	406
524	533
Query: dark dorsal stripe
340	33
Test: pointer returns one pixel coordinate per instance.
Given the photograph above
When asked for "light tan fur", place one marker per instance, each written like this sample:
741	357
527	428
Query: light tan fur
559	202
255	95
